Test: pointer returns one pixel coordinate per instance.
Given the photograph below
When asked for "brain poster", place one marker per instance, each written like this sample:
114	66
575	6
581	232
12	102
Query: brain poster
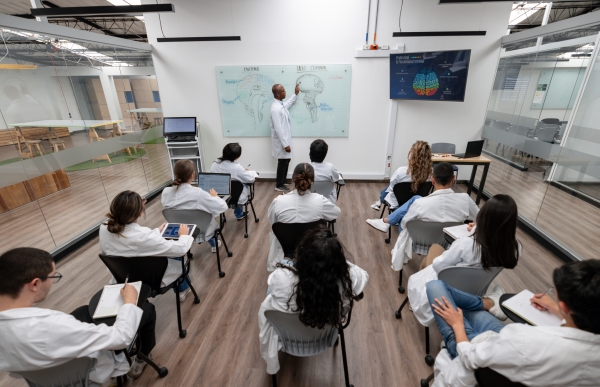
322	108
432	76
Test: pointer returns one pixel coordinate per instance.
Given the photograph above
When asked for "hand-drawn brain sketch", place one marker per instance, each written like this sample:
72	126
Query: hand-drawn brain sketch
311	85
254	91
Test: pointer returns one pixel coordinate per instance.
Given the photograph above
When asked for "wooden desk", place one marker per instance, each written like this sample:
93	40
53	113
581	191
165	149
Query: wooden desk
475	162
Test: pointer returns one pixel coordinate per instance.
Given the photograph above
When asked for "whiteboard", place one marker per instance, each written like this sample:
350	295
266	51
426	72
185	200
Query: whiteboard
557	88
321	110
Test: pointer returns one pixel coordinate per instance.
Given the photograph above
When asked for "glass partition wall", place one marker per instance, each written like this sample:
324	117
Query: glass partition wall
542	129
79	123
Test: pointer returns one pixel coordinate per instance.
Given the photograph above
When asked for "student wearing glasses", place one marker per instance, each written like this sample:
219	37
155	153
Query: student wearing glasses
33	338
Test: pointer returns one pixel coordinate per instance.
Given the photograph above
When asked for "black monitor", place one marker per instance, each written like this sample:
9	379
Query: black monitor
179	126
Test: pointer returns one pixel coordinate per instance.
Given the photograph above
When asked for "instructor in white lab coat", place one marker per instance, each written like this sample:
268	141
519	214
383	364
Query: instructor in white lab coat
281	133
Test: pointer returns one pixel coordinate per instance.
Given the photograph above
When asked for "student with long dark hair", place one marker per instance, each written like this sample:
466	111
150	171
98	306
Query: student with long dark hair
320	286
298	206
227	163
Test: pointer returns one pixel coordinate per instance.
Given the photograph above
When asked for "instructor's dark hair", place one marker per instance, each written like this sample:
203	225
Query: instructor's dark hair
125	208
231	152
578	286
443	173
324	282
303	177
318	151
495	236
20	266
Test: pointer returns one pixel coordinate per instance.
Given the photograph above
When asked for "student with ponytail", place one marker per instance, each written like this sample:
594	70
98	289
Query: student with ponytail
298	206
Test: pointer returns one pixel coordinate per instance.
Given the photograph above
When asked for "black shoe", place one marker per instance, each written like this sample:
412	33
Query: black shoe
281	189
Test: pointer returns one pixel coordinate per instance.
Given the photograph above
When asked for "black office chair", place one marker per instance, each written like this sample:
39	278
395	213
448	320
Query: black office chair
290	234
150	271
403	193
486	377
236	192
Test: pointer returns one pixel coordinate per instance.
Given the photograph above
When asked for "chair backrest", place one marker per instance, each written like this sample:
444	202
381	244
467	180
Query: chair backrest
290	234
443	147
198	217
424	234
554	121
520	130
298	339
73	373
322	187
149	270
236	192
403	191
473	280
547	134
487	377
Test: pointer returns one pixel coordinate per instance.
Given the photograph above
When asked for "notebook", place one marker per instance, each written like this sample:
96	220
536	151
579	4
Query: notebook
458	231
520	305
111	301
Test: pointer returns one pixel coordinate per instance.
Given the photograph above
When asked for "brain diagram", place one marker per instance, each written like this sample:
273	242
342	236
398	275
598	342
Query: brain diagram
254	91
426	83
311	86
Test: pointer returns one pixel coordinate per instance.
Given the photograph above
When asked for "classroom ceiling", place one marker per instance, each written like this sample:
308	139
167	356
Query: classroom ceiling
529	14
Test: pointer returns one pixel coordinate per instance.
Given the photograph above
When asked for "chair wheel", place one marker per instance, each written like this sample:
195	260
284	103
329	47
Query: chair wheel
401	289
256	220
398	314
163	371
221	274
387	240
246	235
230	254
429	360
182	333
197	300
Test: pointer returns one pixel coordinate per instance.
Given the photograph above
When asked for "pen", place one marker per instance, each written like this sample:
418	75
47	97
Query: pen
126	279
248	165
546	292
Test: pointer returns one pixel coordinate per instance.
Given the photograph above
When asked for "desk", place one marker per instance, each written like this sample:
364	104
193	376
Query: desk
475	162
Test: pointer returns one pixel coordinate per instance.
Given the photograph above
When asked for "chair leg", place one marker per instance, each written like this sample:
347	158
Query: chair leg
383	206
162	371
246	220
333	227
274	380
428	358
221	273
389	238
401	288
196	298
344	359
254	212
399	311
229	253
182	332
425	382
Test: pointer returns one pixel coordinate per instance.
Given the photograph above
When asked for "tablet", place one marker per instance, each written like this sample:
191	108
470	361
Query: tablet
171	230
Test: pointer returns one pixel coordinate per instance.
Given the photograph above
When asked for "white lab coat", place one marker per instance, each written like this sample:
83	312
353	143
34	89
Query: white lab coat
36	338
327	172
281	127
400	176
138	241
534	356
238	173
187	197
281	283
293	208
443	205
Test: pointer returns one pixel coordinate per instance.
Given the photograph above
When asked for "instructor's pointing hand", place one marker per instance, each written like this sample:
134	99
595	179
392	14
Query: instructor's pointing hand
297	89
288	149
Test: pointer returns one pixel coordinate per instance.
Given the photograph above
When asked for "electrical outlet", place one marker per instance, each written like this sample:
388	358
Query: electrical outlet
384	47
366	47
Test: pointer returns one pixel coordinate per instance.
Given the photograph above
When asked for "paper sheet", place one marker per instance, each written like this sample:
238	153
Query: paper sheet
111	301
458	231
520	304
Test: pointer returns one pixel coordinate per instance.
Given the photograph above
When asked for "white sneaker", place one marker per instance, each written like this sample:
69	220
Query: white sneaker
137	367
214	249
494	295
111	382
376	206
184	294
379	224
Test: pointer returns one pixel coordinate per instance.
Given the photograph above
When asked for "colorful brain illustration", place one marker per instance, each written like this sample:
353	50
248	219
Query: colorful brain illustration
426	83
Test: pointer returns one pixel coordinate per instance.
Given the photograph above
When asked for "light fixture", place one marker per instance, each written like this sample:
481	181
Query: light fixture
11	66
119	10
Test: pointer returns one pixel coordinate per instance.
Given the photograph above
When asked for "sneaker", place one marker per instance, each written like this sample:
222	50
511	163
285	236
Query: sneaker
242	217
379	224
442	345
376	206
214	249
182	297
137	367
281	189
496	310
111	382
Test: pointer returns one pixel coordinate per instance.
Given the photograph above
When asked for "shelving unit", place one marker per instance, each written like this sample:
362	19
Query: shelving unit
189	150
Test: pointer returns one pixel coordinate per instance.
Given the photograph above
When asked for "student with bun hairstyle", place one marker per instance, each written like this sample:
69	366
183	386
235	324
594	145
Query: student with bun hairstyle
298	206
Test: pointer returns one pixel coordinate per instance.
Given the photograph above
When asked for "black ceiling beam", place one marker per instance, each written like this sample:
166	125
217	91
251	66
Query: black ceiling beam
108	10
199	39
24	15
89	23
438	33
523	26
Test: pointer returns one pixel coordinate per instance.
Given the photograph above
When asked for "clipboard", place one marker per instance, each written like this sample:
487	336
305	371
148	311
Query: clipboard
111	302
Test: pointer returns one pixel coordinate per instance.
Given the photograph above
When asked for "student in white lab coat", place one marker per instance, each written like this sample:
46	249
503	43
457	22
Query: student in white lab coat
227	163
493	244
536	356
418	171
122	236
33	338
315	286
324	171
298	206
182	196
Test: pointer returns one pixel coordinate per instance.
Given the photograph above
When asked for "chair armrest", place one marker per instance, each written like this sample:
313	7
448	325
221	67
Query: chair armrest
340	182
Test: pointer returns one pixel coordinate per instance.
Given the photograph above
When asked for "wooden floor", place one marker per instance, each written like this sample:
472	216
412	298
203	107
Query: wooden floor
221	347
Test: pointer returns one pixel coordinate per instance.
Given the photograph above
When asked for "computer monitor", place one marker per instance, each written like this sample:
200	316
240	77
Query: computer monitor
179	126
220	182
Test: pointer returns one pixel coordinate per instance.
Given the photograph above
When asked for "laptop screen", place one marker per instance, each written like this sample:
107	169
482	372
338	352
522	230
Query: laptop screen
179	126
220	182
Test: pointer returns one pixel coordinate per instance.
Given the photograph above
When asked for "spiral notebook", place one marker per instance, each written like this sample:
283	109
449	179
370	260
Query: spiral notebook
111	301
520	304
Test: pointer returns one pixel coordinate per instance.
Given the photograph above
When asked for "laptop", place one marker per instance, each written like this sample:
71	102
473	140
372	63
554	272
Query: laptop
220	182
474	149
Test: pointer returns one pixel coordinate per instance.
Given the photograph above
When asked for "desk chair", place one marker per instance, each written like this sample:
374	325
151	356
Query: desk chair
303	341
150	271
33	145
445	148
403	193
554	121
236	191
547	134
324	188
290	234
23	148
54	140
74	373
474	280
202	220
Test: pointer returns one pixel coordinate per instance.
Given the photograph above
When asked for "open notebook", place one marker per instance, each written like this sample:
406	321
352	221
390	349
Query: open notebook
520	305
111	301
458	231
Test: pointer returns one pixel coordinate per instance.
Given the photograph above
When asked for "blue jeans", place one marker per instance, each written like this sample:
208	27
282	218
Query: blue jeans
383	194
395	217
238	211
212	242
477	320
182	285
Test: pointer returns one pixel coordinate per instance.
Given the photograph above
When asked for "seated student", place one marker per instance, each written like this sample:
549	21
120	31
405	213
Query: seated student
34	338
324	171
182	196
122	236
544	356
227	163
320	286
418	170
493	244
298	206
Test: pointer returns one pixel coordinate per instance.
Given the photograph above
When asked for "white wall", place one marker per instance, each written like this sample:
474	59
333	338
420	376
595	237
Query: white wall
312	31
